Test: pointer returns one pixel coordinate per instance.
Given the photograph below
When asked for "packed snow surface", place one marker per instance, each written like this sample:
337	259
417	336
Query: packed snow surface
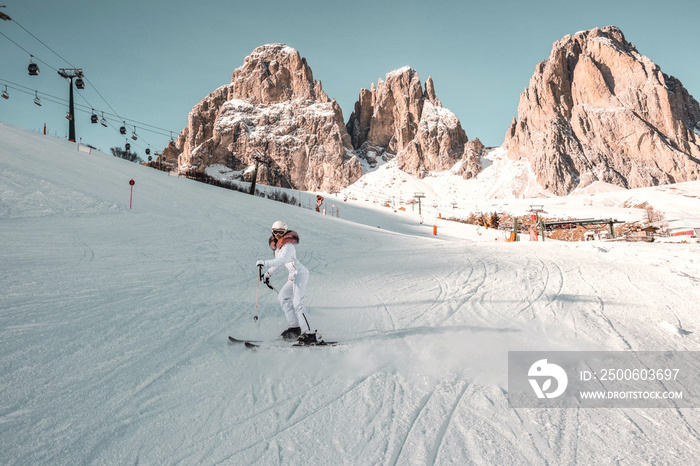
114	325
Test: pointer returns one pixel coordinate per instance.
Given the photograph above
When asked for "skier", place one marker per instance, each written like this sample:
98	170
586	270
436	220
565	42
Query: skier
291	296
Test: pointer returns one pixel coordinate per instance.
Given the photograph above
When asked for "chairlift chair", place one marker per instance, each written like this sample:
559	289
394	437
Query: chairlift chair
37	100
103	122
133	134
5	95
69	116
33	68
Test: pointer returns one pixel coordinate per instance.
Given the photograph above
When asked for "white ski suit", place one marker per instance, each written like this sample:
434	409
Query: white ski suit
291	296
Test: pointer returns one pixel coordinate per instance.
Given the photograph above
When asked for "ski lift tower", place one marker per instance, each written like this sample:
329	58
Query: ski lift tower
536	210
419	196
258	157
69	74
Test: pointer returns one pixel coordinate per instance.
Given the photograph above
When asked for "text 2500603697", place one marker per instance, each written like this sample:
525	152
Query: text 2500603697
638	374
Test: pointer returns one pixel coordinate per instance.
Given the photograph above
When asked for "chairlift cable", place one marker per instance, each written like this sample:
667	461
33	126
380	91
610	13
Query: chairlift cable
58	55
65	60
39	100
71	65
79	108
28	52
89	108
42	43
101	96
155	130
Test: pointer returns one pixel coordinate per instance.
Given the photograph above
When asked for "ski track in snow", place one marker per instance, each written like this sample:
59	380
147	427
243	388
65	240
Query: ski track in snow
114	324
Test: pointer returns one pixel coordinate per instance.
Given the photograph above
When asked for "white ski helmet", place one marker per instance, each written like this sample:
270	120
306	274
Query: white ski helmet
279	227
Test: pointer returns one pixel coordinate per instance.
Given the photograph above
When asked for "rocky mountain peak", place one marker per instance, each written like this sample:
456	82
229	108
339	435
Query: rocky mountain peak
273	113
429	93
275	73
598	110
398	118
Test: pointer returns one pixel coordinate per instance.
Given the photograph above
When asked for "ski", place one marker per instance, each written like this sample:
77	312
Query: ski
278	343
238	340
260	344
320	343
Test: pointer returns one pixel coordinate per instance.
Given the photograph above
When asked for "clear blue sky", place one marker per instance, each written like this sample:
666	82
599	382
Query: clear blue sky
153	60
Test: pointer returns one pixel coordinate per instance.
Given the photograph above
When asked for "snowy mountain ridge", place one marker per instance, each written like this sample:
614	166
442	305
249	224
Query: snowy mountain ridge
596	110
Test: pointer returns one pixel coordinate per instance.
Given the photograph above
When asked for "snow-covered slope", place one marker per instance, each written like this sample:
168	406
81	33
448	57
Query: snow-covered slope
511	187
113	326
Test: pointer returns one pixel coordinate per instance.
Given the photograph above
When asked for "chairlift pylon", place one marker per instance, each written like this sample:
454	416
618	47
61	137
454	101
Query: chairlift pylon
37	100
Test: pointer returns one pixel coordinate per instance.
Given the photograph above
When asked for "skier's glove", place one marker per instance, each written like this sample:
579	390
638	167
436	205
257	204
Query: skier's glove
260	263
266	278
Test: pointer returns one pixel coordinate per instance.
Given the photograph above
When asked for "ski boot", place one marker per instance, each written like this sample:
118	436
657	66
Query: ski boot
291	334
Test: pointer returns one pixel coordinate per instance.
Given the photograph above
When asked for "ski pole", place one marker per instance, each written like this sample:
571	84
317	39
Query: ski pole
257	292
271	287
267	282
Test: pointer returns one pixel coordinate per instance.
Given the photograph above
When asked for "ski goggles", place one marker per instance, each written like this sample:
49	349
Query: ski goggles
279	232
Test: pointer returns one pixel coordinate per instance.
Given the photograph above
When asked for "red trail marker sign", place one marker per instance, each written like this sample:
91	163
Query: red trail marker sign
131	196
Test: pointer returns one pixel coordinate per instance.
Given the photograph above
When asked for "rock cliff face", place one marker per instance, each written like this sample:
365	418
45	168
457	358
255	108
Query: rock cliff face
471	161
397	118
273	111
598	110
